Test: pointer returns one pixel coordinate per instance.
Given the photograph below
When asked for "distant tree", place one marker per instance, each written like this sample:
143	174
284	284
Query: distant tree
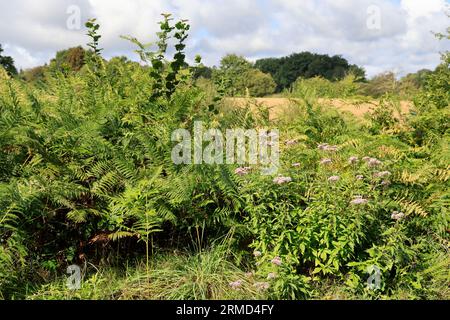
202	71
230	73
268	65
381	84
35	74
238	77
418	79
287	70
257	83
72	59
234	63
292	67
7	63
358	72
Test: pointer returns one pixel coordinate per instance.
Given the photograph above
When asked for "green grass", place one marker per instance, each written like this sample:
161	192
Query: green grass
175	276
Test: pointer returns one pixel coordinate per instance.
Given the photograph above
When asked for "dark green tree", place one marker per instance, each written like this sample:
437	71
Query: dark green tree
7	63
202	71
286	70
230	72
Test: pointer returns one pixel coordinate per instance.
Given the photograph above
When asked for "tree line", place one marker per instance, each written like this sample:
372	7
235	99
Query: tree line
237	76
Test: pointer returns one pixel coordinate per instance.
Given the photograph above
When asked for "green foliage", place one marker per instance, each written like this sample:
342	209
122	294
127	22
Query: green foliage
7	63
93	28
287	70
258	84
238	78
70	60
167	75
34	75
323	88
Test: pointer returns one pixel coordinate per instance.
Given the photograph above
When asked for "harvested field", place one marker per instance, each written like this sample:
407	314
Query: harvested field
278	106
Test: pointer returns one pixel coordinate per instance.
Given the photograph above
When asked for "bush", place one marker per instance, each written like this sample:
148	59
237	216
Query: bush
238	78
257	83
323	88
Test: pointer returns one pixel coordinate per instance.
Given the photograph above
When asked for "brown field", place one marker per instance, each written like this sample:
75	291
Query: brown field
279	106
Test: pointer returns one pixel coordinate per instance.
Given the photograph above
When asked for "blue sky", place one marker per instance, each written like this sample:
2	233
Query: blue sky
380	35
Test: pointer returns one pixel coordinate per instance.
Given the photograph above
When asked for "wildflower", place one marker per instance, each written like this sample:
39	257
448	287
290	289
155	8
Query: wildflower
331	148
358	200
257	253
281	180
242	171
359	177
382	174
327	147
366	159
322	146
296	164
373	162
271	276
326	161
333	178
261	286
249	274
236	284
276	261
353	160
396	215
385	183
291	142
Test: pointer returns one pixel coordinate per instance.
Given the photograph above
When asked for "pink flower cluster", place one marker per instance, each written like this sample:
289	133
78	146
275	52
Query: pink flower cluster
235	285
282	180
291	142
382	174
242	170
353	160
333	178
276	261
372	162
327	147
358	201
396	215
271	276
261	286
326	161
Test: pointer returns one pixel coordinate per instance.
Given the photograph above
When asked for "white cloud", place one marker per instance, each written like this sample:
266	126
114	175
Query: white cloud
419	8
21	56
35	30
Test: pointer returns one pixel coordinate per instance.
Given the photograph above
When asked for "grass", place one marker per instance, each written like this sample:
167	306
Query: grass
175	276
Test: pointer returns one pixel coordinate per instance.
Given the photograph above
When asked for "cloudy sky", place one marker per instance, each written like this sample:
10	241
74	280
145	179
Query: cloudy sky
380	35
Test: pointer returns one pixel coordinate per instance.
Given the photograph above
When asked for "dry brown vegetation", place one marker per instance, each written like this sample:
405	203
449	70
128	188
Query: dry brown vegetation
278	106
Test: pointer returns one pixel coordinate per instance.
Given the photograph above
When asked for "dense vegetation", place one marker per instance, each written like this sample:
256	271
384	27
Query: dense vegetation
286	70
86	177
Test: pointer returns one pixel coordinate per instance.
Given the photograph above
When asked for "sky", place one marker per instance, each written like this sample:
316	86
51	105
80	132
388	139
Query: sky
380	35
